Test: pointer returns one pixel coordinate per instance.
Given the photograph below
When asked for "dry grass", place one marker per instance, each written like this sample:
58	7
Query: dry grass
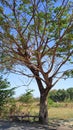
61	113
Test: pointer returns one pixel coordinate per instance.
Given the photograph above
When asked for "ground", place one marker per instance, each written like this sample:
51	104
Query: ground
55	125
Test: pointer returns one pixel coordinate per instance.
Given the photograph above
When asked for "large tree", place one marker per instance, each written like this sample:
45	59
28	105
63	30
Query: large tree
36	40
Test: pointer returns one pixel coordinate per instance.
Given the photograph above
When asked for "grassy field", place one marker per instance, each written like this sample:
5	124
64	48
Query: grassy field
55	111
60	113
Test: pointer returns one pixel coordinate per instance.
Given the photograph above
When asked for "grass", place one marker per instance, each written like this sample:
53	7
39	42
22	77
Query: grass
56	111
61	110
61	113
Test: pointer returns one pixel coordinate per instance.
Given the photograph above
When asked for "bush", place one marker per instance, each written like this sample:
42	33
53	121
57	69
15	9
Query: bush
50	101
5	93
27	97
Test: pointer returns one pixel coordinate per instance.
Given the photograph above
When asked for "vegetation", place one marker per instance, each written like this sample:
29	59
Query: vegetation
64	113
36	40
61	95
27	97
57	110
6	93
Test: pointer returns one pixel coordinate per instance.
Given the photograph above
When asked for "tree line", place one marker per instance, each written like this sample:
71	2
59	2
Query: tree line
61	95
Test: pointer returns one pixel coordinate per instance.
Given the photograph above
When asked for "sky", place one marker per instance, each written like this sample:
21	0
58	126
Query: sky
20	81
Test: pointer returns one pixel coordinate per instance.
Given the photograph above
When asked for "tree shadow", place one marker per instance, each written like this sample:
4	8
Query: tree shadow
8	125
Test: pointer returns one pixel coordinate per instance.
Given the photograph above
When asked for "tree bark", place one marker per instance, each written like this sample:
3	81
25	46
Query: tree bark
43	112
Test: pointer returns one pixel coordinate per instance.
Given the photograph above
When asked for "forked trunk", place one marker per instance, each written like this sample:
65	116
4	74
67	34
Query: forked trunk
43	113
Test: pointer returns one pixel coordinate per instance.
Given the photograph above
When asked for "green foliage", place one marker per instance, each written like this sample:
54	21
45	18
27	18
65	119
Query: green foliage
50	101
27	97
5	92
69	73
29	28
26	1
70	92
61	95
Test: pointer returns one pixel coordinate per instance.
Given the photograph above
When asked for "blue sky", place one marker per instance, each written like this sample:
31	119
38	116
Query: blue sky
19	81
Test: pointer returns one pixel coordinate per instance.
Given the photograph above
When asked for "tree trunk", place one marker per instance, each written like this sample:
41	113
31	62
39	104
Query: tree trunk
43	113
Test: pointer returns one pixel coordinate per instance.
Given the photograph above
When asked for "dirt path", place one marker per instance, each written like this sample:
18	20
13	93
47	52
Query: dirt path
7	125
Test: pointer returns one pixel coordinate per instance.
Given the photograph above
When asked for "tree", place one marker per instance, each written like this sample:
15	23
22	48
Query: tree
5	92
61	95
70	92
27	97
53	95
36	40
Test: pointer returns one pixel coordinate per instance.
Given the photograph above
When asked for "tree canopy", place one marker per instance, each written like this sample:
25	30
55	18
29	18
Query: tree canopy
37	35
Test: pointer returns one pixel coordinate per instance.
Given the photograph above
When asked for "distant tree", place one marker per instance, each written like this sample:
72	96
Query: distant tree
27	97
5	92
36	40
70	92
53	95
61	95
